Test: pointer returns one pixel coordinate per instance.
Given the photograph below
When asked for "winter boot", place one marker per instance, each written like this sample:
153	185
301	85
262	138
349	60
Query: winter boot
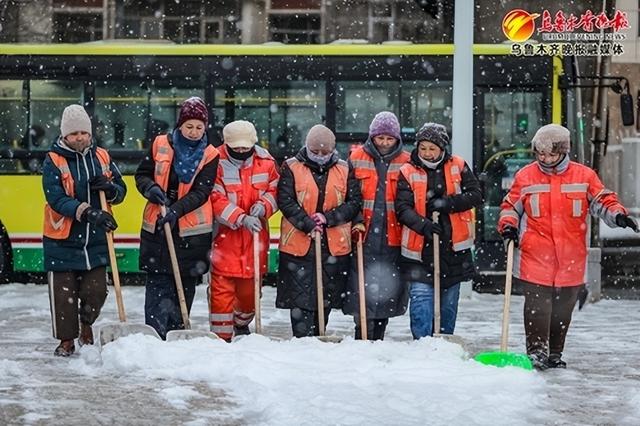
86	335
241	330
540	360
65	348
555	361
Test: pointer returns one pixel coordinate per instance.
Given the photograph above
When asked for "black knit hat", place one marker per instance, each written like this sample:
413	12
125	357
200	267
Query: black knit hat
434	133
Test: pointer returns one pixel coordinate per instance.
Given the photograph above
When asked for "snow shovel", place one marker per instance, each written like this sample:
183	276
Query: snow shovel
109	332
187	333
257	282
320	292
436	291
361	290
504	358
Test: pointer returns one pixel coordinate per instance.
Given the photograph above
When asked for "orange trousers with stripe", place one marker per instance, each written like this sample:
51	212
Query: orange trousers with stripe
230	304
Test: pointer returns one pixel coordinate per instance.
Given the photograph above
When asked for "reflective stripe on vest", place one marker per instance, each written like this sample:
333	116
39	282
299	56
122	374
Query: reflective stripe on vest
366	173
462	223
196	222
57	226
296	242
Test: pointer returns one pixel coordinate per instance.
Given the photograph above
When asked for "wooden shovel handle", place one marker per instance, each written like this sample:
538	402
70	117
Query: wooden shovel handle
319	288
114	264
176	271
361	290
257	281
507	299
436	277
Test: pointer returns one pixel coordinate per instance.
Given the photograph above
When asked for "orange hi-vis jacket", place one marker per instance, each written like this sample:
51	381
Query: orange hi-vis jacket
462	224
550	212
365	172
295	241
196	222
235	191
57	226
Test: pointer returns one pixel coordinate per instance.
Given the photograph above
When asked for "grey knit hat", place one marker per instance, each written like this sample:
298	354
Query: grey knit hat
434	133
74	119
552	138
320	137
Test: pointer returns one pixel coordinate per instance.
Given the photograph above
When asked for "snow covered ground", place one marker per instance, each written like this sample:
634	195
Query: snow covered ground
254	381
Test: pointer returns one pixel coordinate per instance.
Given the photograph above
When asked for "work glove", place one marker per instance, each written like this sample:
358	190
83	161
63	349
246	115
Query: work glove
624	221
439	204
356	231
319	229
510	233
252	223
171	218
429	228
101	183
155	195
100	218
319	219
257	210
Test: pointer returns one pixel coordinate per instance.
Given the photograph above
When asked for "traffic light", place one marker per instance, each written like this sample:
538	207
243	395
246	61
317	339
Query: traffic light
522	123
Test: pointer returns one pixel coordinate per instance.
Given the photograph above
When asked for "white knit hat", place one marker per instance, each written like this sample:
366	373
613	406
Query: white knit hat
239	134
552	138
74	119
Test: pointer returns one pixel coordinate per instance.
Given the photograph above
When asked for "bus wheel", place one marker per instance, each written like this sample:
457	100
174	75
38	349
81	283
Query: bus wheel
6	256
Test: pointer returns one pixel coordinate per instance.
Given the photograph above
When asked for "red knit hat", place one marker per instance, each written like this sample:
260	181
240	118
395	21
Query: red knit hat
193	108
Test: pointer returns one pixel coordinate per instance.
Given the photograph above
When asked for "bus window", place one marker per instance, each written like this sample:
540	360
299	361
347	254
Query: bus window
13	124
253	105
424	101
357	102
48	99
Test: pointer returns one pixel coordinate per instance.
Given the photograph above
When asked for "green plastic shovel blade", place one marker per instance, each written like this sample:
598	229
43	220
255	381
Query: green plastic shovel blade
504	359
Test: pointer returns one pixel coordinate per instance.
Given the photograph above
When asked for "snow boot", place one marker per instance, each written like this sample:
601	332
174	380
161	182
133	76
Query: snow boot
555	361
65	348
241	330
86	335
540	360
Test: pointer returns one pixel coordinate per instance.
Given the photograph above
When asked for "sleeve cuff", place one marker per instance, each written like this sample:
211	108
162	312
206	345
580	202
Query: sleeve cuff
80	210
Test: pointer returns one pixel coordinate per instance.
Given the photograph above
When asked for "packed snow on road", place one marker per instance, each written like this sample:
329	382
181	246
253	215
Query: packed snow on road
271	379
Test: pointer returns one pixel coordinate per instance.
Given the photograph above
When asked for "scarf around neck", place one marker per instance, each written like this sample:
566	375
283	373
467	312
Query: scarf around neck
187	156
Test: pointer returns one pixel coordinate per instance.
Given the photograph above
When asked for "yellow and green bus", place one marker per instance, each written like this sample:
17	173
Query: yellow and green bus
133	91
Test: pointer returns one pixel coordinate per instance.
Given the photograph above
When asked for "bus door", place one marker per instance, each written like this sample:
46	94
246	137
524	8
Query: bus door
506	120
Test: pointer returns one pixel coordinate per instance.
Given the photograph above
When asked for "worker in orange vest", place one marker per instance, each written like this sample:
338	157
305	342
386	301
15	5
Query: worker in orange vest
377	165
436	181
317	193
75	226
178	172
545	215
243	200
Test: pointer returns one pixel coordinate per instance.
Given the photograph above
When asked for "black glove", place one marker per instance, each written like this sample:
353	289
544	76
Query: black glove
624	221
583	294
431	228
100	218
510	233
171	218
101	183
439	204
155	195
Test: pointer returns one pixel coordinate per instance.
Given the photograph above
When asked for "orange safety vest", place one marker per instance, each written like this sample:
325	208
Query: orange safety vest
463	229
296	242
365	171
196	222
57	226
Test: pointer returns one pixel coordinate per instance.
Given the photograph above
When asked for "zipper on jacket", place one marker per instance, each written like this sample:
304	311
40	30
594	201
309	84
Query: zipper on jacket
86	240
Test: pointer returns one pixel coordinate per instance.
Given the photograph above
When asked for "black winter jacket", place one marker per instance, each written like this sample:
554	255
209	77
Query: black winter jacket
454	266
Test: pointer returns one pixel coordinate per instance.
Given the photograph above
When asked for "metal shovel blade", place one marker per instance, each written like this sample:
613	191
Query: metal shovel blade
190	334
504	359
329	339
107	333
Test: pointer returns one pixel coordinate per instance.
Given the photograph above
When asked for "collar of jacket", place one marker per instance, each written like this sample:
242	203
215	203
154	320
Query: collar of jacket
558	169
370	148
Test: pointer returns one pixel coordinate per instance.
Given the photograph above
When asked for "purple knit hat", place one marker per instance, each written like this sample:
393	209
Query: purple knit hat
193	108
385	123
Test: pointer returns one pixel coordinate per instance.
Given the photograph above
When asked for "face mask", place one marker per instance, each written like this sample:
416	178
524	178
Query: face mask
240	155
319	159
432	164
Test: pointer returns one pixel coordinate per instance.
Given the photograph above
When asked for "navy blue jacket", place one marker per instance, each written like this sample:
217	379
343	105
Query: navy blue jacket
86	246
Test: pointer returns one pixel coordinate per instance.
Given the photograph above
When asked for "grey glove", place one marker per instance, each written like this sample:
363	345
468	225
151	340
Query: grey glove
257	210
252	223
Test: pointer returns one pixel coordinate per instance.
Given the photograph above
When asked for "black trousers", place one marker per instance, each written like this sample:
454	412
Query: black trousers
66	289
304	323
375	328
547	316
161	305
